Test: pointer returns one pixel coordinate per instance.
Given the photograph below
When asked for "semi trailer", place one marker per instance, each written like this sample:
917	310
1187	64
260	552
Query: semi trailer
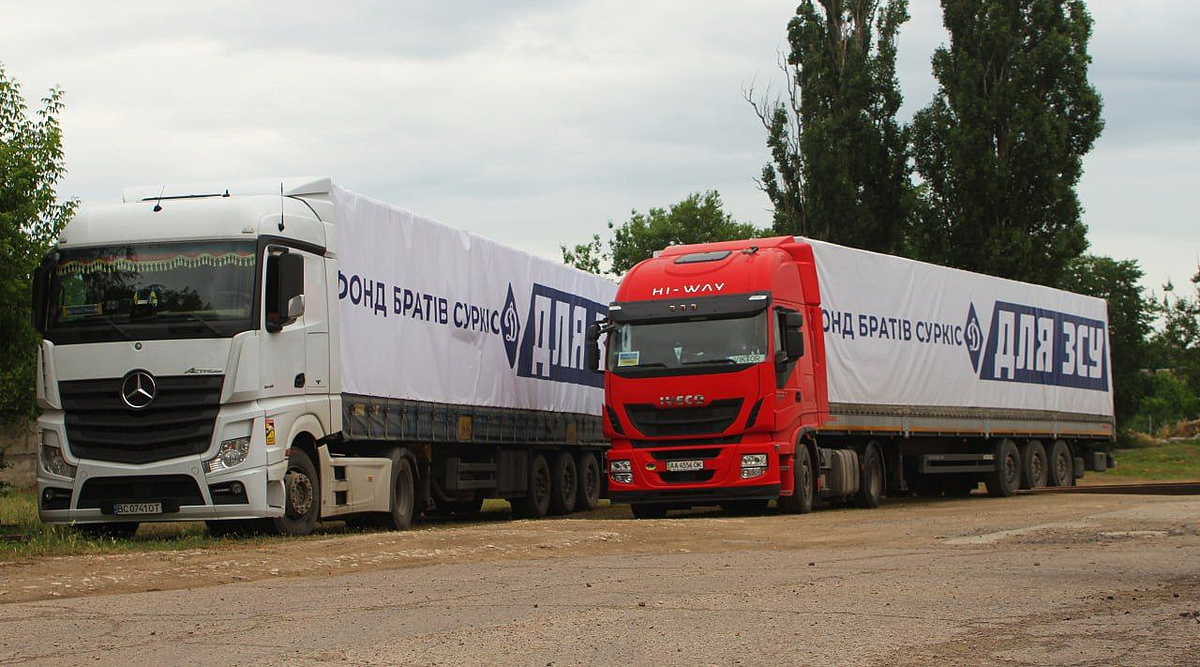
272	353
789	369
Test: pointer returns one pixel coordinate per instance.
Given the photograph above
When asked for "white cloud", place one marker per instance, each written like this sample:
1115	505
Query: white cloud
535	122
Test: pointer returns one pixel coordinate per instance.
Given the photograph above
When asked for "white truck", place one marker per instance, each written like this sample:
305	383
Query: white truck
271	353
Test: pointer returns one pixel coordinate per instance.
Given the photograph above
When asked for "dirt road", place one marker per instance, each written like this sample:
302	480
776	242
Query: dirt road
1079	579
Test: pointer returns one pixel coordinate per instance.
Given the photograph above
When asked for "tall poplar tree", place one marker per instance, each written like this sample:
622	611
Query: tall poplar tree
1000	146
839	169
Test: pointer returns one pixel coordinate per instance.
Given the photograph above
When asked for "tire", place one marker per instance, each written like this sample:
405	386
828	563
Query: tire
564	487
589	483
536	501
1033	465
1061	465
649	511
1006	479
801	500
118	530
404	492
745	507
870	478
302	500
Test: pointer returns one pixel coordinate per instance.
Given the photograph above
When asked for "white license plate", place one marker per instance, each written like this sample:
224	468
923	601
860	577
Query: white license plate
682	466
137	508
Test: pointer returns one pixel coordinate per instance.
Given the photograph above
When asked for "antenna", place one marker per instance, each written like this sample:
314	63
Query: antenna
281	206
158	202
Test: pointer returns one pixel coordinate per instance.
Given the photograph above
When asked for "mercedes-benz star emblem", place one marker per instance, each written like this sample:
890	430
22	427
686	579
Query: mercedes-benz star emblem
138	389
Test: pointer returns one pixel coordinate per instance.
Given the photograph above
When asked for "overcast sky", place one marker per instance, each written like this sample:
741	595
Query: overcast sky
534	122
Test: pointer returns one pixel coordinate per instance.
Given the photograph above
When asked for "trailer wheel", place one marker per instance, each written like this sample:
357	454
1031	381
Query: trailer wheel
1006	479
400	517
801	500
641	511
117	530
536	501
302	501
589	483
565	487
1062	465
1033	465
870	480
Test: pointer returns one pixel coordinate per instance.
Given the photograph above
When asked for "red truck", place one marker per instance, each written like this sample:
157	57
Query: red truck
742	372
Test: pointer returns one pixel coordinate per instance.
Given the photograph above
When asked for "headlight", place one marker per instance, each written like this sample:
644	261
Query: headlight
748	473
232	453
52	457
620	466
623	477
754	460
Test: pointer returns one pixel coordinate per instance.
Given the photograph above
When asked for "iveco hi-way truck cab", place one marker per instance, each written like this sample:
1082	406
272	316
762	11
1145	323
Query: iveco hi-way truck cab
742	372
283	351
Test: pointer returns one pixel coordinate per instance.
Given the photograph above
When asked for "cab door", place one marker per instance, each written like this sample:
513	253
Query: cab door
790	378
284	356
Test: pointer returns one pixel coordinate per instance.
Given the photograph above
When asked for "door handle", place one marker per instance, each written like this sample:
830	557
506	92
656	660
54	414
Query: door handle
299	383
798	397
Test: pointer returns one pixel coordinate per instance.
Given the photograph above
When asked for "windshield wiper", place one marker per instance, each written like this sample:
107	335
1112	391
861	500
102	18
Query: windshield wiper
724	360
116	327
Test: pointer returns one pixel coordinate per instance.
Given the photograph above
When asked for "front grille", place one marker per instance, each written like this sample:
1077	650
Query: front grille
172	490
724	440
685	454
712	418
178	422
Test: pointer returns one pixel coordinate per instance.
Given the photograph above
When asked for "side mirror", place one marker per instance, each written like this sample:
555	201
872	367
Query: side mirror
285	298
793	335
592	348
41	280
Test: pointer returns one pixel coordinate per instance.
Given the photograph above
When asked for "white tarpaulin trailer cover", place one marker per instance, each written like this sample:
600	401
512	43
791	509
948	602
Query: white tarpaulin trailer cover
905	333
432	313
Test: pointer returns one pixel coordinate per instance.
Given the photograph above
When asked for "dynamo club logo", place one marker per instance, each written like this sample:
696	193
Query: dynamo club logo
973	338
510	327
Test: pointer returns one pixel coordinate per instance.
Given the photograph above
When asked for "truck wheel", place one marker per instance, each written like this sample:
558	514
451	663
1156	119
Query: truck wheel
1033	465
801	500
536	501
404	492
1061	469
565	487
302	501
1007	477
589	483
649	511
870	479
121	530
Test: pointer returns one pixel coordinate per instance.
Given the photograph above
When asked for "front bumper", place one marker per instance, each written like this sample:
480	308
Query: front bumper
696	496
122	483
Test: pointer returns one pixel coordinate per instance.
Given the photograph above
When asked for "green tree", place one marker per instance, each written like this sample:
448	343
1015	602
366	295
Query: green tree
1168	401
839	168
700	218
31	216
1176	345
1130	313
1000	146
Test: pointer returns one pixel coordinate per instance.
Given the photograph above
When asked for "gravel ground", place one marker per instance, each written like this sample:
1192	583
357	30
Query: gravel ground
1048	579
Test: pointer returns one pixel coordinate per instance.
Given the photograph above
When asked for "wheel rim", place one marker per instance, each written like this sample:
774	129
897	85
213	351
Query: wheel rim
567	481
806	479
299	493
875	478
541	485
1060	468
1037	470
591	481
1010	468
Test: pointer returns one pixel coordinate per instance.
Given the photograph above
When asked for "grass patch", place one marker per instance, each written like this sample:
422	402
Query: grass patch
1162	461
23	535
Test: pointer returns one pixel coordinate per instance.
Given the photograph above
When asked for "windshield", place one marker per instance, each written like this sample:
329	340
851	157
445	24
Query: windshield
205	283
732	341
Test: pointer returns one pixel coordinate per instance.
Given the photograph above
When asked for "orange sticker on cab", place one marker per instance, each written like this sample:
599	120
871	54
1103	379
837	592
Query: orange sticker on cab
270	424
